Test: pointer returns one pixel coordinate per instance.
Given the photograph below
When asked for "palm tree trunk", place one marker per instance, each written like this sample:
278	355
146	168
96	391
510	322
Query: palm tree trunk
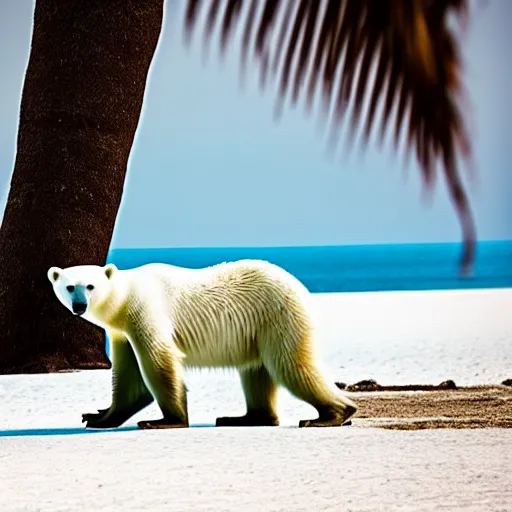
80	107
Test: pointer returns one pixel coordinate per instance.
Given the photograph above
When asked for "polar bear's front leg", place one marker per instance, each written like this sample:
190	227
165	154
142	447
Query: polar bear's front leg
160	363
129	393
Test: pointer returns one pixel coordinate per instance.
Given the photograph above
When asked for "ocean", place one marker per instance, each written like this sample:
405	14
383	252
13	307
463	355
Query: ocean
360	268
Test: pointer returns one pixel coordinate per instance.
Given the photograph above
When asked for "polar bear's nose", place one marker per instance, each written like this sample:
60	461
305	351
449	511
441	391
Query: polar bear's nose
79	308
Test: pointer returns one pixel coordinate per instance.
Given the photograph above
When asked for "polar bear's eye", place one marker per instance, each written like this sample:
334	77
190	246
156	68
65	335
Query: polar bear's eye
70	288
90	287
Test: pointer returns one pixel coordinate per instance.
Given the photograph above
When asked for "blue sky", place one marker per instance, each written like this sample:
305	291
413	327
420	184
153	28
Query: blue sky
210	167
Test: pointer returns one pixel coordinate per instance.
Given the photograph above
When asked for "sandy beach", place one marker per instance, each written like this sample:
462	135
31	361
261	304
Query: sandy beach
49	463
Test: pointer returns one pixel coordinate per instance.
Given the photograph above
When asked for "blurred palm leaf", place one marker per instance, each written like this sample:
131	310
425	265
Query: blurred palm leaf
333	45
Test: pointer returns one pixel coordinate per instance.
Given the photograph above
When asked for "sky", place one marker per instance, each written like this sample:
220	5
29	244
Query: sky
210	165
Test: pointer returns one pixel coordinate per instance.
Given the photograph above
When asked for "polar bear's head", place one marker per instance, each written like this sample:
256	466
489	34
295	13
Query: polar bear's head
82	287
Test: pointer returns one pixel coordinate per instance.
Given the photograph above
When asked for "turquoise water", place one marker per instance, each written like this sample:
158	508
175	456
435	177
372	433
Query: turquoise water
352	268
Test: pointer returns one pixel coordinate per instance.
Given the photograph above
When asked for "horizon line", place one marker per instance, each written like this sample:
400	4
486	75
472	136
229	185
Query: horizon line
328	246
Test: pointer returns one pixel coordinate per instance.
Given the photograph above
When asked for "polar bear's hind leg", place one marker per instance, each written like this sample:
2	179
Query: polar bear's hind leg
303	379
260	396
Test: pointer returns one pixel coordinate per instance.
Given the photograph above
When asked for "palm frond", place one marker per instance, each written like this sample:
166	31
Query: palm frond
411	45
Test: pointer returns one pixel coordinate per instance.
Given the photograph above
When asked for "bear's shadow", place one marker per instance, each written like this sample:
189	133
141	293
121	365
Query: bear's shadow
63	431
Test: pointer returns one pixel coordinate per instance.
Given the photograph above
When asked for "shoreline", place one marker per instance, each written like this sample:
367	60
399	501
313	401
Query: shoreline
419	291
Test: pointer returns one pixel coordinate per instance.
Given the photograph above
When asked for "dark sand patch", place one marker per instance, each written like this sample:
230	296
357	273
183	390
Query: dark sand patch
467	407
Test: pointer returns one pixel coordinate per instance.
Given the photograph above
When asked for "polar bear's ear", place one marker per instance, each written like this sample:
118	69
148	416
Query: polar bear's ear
109	270
54	274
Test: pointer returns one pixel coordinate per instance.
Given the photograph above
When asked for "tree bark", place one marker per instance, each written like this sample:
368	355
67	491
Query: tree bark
80	107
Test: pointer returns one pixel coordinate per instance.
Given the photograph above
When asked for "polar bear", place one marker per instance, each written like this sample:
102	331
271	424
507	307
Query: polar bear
250	315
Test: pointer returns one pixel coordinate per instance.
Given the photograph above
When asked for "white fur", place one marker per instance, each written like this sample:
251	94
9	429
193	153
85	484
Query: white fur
250	314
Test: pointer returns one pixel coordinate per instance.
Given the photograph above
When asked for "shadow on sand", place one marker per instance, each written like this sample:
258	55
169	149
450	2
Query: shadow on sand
76	431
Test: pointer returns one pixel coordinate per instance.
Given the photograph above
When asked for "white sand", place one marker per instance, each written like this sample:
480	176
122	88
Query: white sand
48	463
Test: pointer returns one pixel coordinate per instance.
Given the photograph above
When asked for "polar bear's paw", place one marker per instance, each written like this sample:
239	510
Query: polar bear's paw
163	423
253	419
102	419
328	417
